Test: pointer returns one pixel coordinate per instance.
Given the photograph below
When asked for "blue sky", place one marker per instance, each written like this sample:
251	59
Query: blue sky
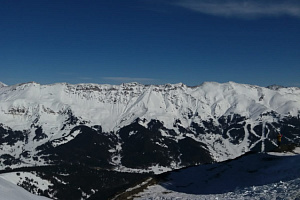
150	41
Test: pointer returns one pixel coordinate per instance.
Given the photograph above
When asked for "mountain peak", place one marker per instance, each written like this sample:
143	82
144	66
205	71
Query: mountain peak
2	84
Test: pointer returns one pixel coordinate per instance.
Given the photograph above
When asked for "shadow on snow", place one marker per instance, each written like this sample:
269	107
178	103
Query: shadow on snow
246	171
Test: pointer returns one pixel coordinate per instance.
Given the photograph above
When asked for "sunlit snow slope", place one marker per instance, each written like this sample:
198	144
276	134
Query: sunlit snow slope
10	191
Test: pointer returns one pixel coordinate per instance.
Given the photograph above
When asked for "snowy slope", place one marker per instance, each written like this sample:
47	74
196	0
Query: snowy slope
32	115
256	176
10	191
18	177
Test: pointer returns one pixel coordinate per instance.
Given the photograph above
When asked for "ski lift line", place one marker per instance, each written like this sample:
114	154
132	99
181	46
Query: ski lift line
263	137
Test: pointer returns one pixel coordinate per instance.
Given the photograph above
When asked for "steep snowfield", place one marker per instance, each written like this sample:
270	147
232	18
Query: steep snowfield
256	176
10	191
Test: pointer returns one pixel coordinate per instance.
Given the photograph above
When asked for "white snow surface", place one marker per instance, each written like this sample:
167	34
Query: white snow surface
258	176
10	191
26	106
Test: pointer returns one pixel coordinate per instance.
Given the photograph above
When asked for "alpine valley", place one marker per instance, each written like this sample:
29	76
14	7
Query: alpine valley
91	141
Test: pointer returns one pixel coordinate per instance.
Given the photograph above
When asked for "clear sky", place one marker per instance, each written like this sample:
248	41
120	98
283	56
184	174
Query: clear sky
150	41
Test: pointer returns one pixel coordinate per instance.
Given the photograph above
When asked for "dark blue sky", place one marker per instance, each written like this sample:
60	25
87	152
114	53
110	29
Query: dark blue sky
150	41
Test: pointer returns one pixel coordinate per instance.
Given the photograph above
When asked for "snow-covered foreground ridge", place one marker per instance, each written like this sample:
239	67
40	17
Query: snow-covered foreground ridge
254	176
161	125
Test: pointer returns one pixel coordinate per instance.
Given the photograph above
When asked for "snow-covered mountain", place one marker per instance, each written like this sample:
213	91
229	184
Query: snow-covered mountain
116	106
107	129
218	121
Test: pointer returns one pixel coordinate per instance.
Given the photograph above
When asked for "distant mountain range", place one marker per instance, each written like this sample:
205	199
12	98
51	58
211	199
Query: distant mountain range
142	128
